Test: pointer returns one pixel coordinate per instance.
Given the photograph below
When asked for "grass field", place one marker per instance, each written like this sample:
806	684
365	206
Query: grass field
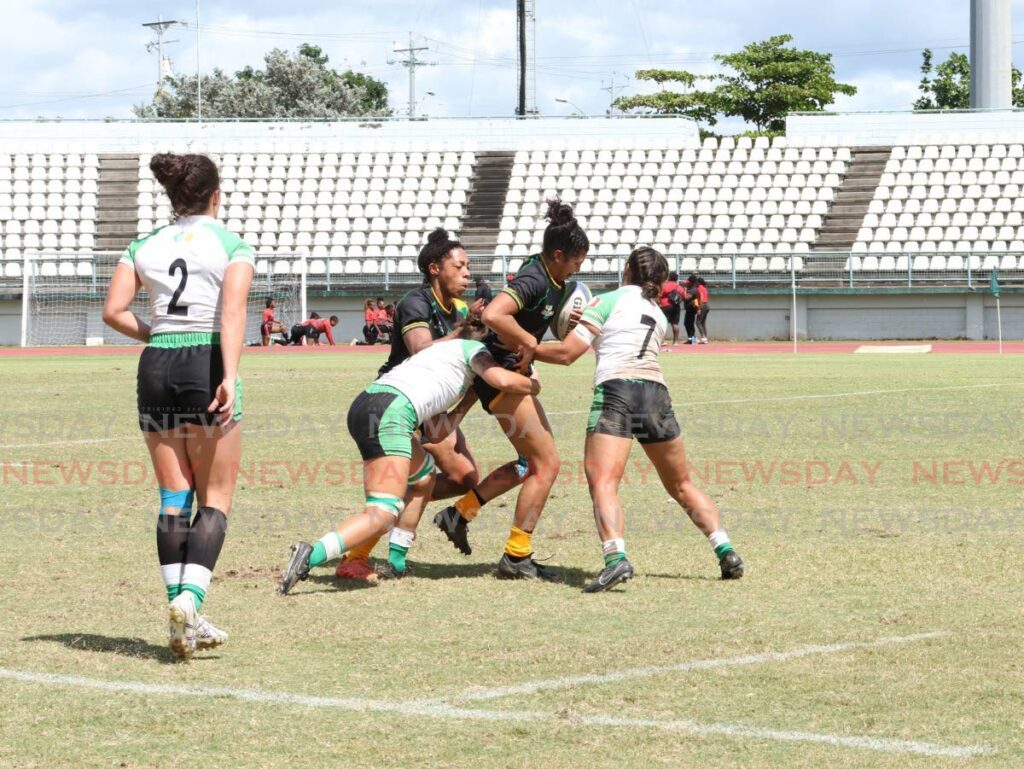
879	623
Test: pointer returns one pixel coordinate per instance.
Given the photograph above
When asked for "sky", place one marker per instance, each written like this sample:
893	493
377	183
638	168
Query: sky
88	58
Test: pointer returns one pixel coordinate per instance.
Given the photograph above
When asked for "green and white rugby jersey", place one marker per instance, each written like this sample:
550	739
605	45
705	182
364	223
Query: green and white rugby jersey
182	268
630	332
435	379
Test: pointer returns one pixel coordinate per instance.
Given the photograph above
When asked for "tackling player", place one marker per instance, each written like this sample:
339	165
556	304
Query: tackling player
626	329
197	275
398	474
519	316
423	316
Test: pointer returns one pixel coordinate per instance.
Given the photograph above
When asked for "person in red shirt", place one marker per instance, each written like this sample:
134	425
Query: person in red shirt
702	312
380	318
370	330
308	332
670	299
269	325
320	326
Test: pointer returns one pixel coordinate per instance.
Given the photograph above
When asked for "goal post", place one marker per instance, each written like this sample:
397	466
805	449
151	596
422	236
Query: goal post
63	296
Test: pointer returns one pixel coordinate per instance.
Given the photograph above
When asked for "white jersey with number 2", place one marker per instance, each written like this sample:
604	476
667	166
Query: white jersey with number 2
630	332
182	268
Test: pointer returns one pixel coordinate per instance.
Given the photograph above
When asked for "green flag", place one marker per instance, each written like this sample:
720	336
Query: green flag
994	285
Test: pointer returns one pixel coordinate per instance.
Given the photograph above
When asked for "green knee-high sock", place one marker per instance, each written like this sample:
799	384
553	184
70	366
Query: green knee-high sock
398	547
328	547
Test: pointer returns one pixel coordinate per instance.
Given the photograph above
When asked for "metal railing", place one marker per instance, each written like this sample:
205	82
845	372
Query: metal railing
90	273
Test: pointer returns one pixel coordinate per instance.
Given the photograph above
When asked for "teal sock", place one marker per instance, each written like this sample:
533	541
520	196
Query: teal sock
198	594
319	554
327	547
610	559
721	550
172	592
396	556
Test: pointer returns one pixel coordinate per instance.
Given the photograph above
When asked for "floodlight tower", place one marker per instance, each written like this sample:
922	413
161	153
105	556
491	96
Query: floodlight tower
991	64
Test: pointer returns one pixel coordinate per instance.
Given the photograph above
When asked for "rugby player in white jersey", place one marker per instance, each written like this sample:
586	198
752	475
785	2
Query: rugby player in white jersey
626	329
398	475
197	276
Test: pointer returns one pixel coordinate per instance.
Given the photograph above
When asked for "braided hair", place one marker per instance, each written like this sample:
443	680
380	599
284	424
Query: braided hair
189	180
648	269
563	232
439	245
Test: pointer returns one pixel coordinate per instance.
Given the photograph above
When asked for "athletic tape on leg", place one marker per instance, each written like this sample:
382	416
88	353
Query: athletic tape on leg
389	503
426	469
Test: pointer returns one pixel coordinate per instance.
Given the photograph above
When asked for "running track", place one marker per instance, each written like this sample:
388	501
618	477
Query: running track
716	348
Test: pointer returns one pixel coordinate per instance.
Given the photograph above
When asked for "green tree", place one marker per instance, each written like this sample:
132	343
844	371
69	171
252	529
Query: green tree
299	85
762	83
689	101
947	85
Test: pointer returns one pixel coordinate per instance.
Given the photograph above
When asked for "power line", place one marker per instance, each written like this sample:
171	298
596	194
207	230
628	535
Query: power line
76	97
412	62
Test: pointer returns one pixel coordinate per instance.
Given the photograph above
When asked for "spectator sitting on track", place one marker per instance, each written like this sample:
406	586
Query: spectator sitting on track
270	325
370	331
382	322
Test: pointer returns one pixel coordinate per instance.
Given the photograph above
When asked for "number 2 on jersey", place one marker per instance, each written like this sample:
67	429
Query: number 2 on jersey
652	324
181	309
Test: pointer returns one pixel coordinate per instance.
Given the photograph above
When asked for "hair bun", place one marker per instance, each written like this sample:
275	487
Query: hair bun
437	236
559	213
168	168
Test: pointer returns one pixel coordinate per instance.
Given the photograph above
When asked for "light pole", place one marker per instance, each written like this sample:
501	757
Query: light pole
579	112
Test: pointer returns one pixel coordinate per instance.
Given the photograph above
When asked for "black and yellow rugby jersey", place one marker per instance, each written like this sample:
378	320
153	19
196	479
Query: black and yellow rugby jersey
537	296
421	308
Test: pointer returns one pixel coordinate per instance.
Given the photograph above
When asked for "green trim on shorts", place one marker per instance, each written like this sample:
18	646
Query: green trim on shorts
595	408
397	423
236	413
172	340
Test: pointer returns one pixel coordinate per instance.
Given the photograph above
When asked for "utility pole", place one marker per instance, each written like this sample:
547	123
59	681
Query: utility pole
411	62
159	28
612	90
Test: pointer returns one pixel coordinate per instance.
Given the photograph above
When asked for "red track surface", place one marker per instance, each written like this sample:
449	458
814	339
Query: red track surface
715	348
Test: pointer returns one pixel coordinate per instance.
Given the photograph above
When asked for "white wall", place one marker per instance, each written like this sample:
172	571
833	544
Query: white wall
885	128
480	133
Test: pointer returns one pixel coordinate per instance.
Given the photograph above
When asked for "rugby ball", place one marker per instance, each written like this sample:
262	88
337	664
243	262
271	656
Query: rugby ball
577	296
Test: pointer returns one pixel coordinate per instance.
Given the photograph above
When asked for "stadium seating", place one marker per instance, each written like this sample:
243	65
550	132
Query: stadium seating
756	200
48	209
941	207
739	205
345	212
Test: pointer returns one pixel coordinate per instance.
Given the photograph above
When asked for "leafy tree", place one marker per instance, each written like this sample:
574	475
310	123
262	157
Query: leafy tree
700	105
771	79
299	85
763	83
947	85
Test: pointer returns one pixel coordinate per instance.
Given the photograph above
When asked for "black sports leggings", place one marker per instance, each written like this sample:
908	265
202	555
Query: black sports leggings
702	321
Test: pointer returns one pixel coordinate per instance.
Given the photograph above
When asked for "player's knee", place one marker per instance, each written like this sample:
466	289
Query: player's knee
546	468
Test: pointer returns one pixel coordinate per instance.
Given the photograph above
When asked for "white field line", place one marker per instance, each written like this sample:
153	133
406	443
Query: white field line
449	712
808	650
690	404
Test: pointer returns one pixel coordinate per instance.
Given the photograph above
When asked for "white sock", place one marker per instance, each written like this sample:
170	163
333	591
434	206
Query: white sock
332	545
718	538
402	537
